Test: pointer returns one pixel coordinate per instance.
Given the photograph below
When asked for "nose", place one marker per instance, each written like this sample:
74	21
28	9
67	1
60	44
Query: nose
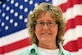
45	27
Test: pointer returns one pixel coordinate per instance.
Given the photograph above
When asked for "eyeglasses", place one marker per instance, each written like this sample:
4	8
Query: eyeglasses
49	23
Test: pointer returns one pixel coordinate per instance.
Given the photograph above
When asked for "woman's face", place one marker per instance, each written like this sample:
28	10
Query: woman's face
46	28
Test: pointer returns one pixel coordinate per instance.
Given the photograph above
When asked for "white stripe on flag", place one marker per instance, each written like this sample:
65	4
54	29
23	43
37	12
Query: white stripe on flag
74	33
14	37
79	52
58	2
72	12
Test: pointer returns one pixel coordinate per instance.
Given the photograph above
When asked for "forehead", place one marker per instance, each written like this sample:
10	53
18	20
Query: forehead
45	16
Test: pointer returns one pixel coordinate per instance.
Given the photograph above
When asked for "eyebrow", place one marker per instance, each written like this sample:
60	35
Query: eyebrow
46	20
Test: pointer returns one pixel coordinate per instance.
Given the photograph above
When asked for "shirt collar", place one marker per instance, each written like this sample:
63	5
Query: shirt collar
35	49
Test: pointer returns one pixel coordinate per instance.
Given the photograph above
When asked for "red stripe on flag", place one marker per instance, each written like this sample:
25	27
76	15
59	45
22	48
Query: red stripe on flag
72	23
74	45
14	46
69	3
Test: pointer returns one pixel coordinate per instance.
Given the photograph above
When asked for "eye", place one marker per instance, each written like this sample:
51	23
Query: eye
40	23
50	23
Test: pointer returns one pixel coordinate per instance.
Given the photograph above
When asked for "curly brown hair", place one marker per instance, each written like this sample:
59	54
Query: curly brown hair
56	14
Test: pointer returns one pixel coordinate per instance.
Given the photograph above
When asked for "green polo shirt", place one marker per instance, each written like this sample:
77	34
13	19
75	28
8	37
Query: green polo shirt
33	50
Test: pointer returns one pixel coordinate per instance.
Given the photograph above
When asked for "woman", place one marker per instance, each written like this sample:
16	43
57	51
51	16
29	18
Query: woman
46	28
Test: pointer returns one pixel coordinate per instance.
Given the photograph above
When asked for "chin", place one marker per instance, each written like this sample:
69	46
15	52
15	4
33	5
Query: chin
47	40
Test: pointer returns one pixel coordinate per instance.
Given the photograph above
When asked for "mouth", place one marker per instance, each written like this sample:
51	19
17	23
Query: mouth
45	33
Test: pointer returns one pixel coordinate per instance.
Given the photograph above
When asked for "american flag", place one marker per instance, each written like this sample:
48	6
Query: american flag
13	19
14	35
72	12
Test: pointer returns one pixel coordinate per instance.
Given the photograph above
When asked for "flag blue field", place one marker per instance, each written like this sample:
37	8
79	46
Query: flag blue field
13	19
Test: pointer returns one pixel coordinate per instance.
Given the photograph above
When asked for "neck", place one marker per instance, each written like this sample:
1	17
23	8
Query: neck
48	46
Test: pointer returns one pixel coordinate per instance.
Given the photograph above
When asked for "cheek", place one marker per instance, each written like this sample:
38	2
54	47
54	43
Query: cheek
55	30
37	31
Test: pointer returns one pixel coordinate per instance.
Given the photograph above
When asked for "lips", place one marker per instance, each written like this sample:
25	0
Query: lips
45	33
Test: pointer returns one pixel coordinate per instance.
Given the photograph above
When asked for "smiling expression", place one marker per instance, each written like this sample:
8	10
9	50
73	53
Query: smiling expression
45	33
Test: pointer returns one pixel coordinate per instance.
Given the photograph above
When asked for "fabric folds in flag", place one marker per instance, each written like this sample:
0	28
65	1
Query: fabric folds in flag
14	35
72	12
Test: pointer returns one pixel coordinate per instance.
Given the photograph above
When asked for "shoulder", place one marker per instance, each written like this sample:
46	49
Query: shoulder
31	49
65	52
